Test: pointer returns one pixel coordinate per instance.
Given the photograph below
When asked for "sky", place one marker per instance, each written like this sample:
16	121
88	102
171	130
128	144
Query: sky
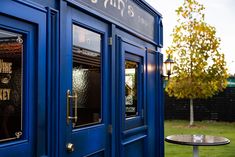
218	13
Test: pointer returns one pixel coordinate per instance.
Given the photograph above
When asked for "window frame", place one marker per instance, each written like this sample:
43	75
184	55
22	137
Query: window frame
131	51
133	58
88	125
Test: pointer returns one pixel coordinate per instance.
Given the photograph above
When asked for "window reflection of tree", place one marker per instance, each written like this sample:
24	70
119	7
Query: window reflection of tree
131	87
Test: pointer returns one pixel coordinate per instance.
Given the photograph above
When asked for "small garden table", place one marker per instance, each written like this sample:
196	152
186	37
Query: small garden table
197	140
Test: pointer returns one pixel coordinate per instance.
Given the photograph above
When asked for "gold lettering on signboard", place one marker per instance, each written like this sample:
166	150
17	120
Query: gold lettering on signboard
5	94
5	67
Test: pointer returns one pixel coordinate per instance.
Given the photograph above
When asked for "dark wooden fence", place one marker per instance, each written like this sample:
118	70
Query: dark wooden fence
220	107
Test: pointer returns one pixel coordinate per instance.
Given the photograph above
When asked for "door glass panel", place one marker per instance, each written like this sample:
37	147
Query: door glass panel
131	73
87	75
86	39
11	50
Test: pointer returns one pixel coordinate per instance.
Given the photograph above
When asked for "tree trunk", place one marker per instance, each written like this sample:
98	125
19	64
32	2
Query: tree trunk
191	113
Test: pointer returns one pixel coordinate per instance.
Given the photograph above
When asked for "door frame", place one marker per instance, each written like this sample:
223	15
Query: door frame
126	135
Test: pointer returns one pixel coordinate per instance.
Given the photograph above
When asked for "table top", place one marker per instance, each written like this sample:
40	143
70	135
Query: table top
197	140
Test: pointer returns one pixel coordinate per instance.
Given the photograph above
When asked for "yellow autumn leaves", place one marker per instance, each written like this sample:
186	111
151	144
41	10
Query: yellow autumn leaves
200	70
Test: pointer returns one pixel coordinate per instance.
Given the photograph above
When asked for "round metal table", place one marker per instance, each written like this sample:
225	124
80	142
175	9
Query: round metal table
197	140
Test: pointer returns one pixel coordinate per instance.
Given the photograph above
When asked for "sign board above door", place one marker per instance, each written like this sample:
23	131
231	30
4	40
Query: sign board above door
125	12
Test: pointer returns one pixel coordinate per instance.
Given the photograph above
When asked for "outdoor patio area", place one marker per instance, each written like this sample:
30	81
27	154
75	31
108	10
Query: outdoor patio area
224	129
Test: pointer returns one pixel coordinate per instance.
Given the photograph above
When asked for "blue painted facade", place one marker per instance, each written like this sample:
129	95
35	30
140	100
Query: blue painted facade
47	29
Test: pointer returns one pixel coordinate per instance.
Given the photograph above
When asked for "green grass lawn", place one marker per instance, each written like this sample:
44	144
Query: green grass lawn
205	127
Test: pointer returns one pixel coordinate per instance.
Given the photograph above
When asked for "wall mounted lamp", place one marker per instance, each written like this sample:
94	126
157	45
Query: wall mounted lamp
169	64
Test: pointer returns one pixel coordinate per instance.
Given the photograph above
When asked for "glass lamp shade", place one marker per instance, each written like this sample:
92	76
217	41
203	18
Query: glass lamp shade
169	64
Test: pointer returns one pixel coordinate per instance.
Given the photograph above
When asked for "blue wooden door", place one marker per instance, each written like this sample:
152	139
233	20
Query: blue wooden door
18	88
84	86
132	108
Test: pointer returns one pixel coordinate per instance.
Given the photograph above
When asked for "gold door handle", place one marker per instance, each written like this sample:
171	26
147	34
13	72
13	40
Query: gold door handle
70	147
69	97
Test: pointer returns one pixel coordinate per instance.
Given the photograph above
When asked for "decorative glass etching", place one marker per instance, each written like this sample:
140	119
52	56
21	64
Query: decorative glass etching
11	50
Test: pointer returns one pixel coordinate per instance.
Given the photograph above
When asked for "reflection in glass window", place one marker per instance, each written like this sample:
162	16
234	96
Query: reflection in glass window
10	85
86	39
131	73
87	75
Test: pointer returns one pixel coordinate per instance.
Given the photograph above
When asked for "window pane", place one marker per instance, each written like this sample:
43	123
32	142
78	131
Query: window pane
86	39
87	80
131	73
10	85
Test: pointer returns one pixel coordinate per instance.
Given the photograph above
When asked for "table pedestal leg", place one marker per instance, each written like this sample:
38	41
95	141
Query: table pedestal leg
195	151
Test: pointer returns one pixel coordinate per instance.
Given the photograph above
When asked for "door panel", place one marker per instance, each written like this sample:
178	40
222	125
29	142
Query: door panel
17	88
135	149
86	127
89	140
132	99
